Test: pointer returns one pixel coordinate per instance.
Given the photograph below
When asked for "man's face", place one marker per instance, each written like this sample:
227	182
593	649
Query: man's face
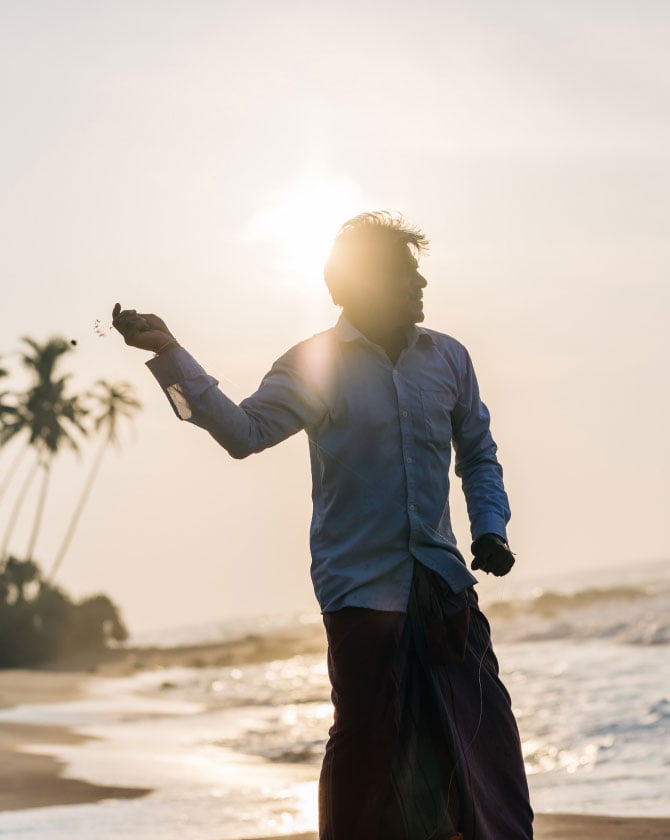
390	288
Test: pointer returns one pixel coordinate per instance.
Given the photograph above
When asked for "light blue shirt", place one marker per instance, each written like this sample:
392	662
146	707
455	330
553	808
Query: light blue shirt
380	441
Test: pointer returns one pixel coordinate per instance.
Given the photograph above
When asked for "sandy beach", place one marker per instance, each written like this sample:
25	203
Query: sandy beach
29	780
571	827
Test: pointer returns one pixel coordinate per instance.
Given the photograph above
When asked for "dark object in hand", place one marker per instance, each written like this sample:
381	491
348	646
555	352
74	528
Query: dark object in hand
492	555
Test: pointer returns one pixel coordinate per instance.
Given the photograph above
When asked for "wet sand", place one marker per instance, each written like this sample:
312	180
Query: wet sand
572	827
30	780
33	780
18	686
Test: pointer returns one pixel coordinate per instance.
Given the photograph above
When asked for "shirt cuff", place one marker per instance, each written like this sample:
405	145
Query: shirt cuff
174	365
489	523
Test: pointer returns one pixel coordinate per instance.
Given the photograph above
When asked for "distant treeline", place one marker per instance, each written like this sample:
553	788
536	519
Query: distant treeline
39	622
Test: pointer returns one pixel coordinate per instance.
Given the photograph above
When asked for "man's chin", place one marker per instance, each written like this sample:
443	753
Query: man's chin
417	316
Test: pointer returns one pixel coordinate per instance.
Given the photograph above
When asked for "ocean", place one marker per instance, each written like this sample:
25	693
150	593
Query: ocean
235	752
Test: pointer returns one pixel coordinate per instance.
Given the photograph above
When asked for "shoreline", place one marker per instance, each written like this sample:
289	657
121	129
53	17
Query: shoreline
250	649
32	779
568	827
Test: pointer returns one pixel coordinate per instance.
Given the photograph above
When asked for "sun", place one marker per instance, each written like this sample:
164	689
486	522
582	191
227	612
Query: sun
298	225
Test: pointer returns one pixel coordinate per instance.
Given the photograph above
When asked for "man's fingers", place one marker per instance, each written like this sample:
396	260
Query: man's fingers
124	319
503	563
154	322
128	316
497	563
143	330
129	324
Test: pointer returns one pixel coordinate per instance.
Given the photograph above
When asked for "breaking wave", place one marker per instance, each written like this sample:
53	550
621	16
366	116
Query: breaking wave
633	614
636	615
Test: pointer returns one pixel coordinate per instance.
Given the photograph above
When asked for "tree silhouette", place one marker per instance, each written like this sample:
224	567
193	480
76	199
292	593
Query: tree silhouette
7	414
114	402
39	622
18	574
95	622
19	626
16	509
49	416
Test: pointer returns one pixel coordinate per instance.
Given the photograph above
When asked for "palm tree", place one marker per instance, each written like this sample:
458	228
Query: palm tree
50	417
18	504
7	414
3	372
11	424
13	467
114	401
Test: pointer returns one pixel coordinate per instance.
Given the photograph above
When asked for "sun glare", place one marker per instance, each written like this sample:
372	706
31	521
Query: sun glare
298	225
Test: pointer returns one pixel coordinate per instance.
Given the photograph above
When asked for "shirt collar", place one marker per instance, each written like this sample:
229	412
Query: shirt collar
346	331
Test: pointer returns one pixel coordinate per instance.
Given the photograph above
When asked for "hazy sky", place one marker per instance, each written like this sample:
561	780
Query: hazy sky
193	159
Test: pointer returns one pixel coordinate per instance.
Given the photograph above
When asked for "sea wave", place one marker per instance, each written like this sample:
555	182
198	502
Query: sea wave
634	615
626	614
550	603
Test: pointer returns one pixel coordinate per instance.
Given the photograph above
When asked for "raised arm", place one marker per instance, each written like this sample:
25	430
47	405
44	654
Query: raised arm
284	403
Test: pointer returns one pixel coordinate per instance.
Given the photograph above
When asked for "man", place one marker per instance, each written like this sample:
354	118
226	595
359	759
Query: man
423	745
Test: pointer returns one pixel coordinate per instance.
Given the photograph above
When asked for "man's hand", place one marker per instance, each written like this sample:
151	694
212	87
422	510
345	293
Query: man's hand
492	555
148	332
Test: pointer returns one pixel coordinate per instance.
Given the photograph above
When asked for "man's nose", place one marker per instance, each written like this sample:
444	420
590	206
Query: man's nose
420	281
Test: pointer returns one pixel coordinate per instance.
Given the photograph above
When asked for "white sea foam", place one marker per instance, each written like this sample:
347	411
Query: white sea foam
233	752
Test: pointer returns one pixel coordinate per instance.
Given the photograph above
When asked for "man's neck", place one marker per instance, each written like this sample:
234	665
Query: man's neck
391	338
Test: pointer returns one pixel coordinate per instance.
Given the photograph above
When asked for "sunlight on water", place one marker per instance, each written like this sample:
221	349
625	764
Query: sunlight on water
234	752
308	804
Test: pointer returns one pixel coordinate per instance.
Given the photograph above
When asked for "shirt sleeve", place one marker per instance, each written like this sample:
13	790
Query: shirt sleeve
284	403
476	463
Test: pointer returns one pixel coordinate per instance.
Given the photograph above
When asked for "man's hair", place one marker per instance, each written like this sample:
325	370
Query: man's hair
355	236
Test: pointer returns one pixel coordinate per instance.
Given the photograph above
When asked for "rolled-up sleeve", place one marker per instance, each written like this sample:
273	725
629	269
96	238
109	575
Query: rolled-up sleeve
476	463
284	403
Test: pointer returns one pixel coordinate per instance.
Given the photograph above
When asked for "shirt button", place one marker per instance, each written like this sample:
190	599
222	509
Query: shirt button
409	460
404	413
412	507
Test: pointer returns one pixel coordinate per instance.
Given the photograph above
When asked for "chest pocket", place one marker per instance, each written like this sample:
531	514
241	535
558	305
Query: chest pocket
437	407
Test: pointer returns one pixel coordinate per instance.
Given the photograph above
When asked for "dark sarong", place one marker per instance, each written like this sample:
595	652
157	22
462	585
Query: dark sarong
424	743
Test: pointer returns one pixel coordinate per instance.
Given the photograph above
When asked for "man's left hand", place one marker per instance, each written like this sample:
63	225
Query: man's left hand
492	555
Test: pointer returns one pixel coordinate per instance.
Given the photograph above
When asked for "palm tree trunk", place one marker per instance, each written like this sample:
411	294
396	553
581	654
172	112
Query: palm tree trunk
9	475
18	504
46	473
85	493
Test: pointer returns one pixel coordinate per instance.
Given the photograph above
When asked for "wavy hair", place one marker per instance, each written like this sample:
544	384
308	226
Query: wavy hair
354	237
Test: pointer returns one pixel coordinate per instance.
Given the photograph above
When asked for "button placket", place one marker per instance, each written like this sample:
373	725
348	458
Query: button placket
407	442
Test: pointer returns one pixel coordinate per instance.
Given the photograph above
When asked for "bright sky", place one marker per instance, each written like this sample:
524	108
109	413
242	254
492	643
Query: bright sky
194	159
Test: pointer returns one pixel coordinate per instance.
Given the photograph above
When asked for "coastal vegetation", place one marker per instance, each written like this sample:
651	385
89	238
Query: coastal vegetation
38	620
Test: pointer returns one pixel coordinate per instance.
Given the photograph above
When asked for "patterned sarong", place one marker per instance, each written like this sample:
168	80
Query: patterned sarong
424	745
